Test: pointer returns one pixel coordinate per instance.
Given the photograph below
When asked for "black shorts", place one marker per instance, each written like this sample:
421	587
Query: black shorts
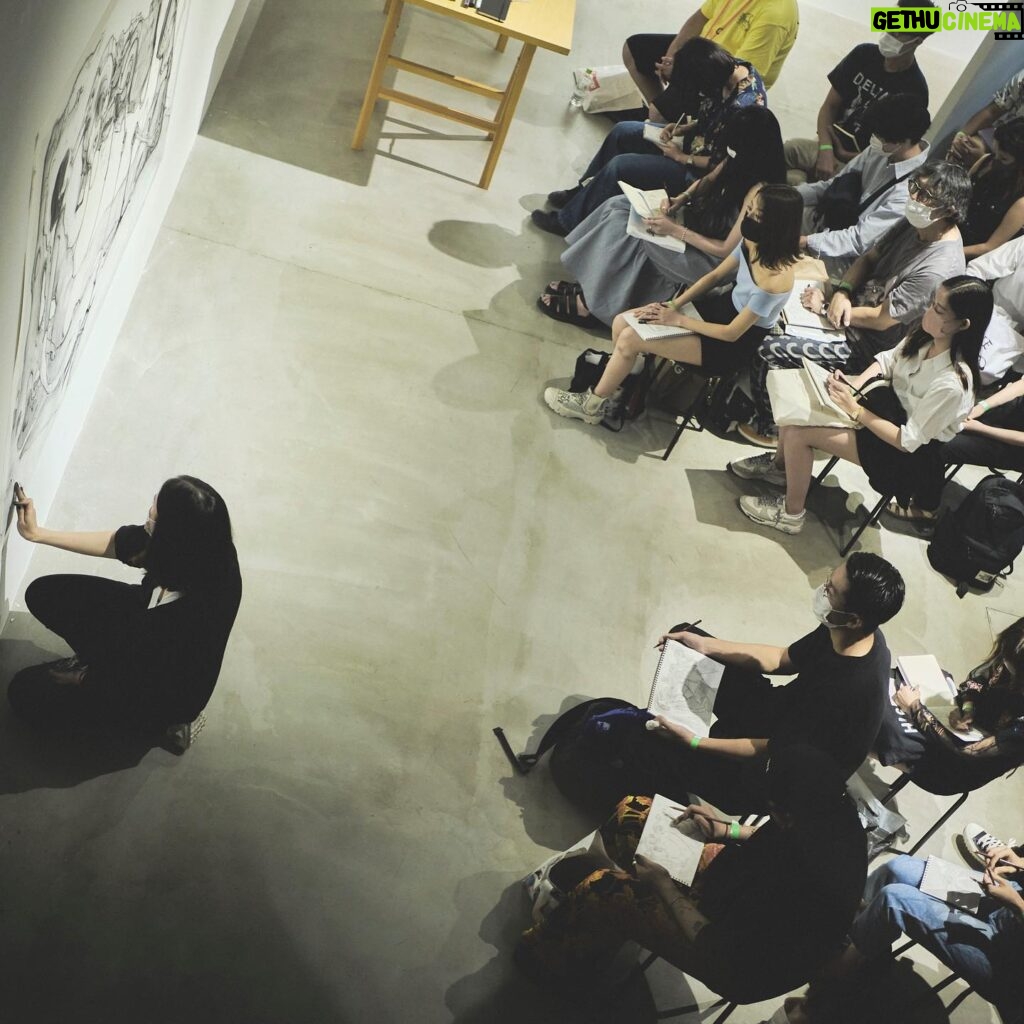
722	358
647	50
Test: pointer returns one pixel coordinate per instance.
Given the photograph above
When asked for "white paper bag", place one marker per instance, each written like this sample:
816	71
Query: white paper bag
607	88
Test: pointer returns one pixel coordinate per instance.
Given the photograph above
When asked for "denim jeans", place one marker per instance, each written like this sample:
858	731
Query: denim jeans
986	949
624	156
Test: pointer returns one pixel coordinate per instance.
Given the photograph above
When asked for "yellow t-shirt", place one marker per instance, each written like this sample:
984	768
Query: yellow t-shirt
760	31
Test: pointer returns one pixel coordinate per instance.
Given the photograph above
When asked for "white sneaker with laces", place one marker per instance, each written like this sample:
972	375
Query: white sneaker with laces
770	510
980	843
583	405
759	467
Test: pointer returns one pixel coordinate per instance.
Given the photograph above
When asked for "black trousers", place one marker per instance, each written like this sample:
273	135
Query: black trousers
93	616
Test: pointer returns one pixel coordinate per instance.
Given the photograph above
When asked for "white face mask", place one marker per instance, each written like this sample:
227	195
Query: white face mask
919	215
822	608
730	152
890	46
876	145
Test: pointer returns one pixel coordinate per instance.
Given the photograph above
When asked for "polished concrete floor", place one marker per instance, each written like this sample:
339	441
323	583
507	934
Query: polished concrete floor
346	345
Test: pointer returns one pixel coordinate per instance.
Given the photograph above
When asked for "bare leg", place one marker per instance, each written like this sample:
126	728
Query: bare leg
798	456
650	87
628	345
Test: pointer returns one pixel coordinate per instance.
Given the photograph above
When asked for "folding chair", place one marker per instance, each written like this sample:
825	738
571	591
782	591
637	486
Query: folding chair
940	985
703	396
900	784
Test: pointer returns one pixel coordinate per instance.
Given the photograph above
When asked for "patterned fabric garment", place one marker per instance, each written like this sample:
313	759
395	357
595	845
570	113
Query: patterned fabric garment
582	934
713	114
781	352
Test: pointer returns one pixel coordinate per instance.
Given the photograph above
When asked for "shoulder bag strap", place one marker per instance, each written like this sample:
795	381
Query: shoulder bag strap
885	188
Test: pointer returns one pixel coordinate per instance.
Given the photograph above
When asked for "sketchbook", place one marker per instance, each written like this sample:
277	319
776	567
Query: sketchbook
796	316
952	883
655	332
677	848
652	133
937	690
636	228
799	398
685	687
648	202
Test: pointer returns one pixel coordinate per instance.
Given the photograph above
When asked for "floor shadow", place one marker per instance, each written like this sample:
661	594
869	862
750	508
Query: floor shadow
498	994
30	759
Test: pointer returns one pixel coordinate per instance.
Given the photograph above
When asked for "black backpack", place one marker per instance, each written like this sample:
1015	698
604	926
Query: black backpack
631	398
975	544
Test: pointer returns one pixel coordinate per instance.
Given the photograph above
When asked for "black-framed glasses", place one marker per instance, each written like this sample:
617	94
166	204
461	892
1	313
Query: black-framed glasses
919	191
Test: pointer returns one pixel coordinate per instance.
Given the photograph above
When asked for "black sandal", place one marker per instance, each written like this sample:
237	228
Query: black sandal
562	307
564	288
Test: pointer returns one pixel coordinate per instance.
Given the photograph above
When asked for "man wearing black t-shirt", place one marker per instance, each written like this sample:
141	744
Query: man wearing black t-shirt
867	73
835	703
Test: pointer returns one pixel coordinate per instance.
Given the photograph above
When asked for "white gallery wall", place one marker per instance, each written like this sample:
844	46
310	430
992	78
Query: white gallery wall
102	100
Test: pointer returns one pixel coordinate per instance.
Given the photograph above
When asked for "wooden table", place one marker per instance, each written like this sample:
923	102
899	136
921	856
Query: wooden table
545	23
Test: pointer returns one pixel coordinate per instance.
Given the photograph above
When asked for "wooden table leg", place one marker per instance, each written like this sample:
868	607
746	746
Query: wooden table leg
507	110
387	37
499	45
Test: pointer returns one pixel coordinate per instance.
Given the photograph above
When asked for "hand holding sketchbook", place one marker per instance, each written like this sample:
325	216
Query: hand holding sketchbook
924	672
677	848
953	884
655	332
685	687
800	397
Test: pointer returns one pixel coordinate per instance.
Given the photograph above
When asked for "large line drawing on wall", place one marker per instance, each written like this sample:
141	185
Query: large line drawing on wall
89	184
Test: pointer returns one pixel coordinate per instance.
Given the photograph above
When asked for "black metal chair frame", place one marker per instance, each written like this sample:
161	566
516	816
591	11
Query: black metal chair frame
679	1011
686	419
904	780
940	985
876	511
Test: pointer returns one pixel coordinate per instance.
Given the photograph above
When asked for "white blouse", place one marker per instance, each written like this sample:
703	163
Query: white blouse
931	392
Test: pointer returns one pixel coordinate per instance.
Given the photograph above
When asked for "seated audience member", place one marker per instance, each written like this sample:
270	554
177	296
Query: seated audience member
618	271
895	151
869	72
991	700
717	85
880	296
146	656
761	34
835	703
972	141
985	948
771	907
732	324
934	377
1004	340
996	213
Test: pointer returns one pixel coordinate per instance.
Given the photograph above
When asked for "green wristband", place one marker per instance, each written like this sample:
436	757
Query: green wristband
985	406
967	707
844	286
824	147
695	742
734	830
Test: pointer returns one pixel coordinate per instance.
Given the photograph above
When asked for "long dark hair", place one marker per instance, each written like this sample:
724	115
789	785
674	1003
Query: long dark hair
1008	653
700	68
753	134
1010	136
969	299
191	537
782	211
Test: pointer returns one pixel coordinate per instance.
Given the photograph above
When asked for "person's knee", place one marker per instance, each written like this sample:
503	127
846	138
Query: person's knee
627	56
40	594
628	343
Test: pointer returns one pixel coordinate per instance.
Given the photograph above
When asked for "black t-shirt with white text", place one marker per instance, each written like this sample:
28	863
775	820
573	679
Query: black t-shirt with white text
860	78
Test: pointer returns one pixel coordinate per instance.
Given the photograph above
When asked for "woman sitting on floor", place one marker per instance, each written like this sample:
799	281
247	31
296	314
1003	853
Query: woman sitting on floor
618	271
731	325
991	699
934	377
759	920
146	656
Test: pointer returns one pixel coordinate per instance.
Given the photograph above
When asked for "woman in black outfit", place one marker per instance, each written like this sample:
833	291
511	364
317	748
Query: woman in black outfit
146	655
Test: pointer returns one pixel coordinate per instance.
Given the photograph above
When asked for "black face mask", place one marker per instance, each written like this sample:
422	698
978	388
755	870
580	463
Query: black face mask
750	229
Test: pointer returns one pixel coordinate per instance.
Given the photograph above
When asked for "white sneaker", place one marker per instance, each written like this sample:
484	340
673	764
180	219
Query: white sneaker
583	405
980	844
759	467
770	510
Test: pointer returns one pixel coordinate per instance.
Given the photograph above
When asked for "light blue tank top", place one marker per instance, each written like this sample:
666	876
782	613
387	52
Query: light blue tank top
766	305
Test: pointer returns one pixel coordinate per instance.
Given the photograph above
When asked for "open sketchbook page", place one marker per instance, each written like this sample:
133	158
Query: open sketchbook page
952	883
937	690
652	133
645	203
794	401
636	229
796	315
685	687
653	332
675	848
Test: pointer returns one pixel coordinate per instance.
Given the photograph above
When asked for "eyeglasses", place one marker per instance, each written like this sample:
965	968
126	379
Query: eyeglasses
918	191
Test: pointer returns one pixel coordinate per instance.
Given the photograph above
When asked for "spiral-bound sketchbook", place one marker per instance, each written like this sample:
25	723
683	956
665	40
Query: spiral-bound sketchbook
677	848
953	884
685	687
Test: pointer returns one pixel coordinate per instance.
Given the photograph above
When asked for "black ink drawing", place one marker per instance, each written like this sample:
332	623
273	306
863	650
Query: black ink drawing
97	165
